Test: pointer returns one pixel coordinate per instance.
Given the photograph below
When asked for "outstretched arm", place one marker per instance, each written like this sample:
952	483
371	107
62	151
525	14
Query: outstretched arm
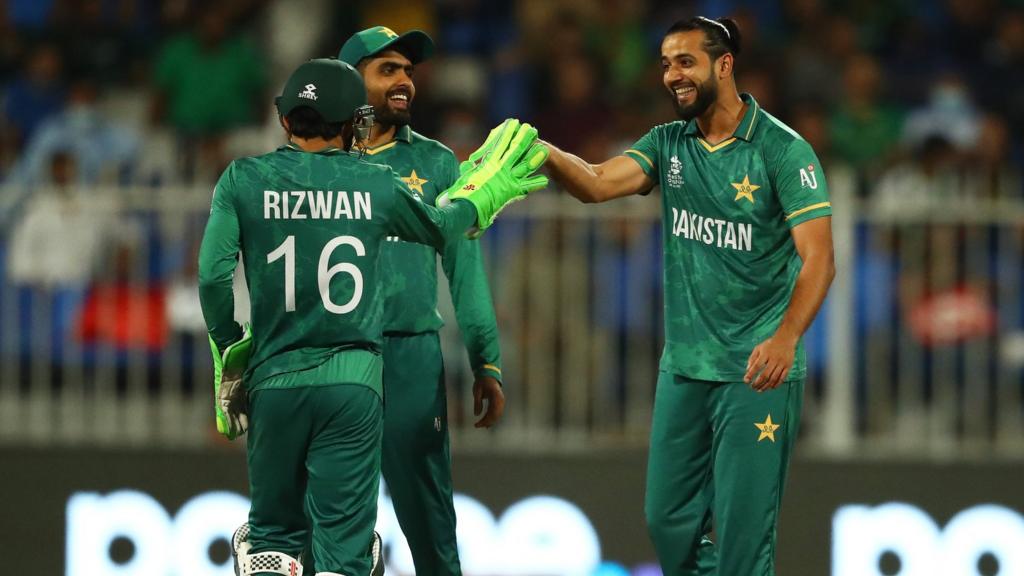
614	178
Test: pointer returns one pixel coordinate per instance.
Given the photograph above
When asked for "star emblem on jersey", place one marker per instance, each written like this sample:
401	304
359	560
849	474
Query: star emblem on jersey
745	189
414	182
767	429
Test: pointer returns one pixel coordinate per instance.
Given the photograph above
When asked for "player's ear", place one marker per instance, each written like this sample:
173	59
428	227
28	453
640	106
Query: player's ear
725	63
284	124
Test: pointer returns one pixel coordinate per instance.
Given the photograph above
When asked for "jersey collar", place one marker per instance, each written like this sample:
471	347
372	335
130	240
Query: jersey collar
745	130
327	151
402	134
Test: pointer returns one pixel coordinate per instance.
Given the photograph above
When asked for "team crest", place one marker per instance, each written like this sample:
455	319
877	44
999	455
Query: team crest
414	182
745	190
309	93
674	178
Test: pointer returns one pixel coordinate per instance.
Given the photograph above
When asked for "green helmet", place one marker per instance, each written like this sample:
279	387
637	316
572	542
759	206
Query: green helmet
331	87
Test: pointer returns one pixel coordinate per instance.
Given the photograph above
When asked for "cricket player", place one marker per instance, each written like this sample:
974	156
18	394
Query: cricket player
309	220
416	462
748	261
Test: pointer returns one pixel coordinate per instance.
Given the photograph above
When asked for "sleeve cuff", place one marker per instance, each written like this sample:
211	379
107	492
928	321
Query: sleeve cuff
489	370
645	162
809	213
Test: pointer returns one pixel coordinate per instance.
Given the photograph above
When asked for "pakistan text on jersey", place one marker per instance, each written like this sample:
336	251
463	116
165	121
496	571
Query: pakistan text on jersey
316	205
712	231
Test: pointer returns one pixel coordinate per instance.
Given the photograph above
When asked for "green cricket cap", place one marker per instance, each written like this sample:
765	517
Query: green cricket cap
331	87
377	39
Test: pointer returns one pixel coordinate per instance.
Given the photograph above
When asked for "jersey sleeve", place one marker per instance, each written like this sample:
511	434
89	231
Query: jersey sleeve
218	257
471	295
415	221
800	184
645	152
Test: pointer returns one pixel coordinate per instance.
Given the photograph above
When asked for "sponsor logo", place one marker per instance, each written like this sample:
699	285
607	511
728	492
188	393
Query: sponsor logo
808	178
309	93
862	535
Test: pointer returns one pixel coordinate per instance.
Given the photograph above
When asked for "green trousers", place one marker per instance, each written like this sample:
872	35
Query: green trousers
416	460
315	450
718	457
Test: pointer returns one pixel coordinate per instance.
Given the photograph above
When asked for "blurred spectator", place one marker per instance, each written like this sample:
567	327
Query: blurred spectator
1003	88
813	69
993	176
864	129
618	37
59	239
949	113
461	130
967	31
402	15
928	183
810	122
97	40
578	112
626	297
122	311
32	15
208	82
183	310
757	79
35	95
100	151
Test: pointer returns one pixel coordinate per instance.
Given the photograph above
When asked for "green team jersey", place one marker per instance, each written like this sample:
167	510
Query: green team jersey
310	227
410	270
730	260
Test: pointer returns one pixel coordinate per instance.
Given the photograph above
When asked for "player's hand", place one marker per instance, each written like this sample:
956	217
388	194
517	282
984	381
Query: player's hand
769	363
500	172
486	388
489	145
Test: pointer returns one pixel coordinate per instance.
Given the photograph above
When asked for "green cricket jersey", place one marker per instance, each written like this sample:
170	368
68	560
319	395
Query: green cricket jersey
409	270
310	227
730	261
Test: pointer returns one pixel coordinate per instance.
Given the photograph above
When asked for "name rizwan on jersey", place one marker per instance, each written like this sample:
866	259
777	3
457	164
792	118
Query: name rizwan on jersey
712	231
316	205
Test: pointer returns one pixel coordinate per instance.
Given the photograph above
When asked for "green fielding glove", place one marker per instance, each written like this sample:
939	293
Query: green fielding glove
230	403
477	157
499	172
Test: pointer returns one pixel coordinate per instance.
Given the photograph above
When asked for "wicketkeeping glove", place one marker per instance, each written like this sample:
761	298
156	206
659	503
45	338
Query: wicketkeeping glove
500	172
230	401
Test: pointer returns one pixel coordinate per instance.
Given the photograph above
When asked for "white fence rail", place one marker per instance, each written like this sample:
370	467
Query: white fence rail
920	348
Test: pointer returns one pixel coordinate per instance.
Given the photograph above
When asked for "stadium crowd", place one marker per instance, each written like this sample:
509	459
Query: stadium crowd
920	100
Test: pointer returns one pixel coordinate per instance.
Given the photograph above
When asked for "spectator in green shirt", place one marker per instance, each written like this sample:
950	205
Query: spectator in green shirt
208	82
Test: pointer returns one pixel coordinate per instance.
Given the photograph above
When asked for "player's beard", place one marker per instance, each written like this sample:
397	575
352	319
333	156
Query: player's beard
707	93
386	115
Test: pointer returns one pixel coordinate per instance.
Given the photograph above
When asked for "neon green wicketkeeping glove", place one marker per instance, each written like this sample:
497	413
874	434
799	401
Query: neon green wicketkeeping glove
230	402
509	126
500	172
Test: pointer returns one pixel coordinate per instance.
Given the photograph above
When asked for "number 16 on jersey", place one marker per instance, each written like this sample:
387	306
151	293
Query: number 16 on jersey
323	273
